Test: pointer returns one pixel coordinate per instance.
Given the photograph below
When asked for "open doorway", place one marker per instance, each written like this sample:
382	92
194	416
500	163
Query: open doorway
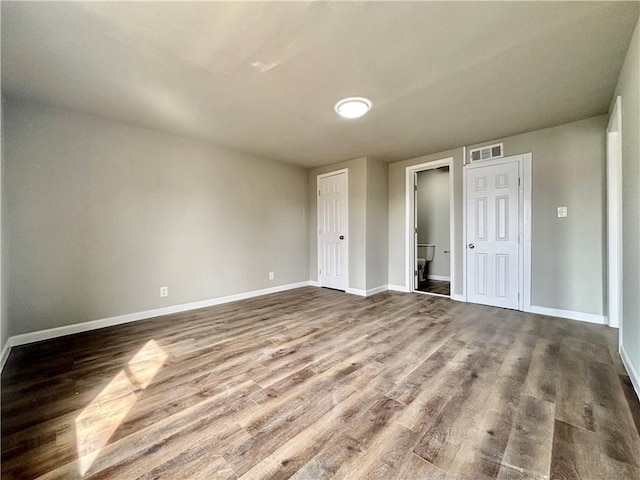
433	231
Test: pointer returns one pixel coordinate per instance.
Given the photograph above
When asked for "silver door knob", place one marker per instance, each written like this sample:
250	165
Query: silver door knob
471	245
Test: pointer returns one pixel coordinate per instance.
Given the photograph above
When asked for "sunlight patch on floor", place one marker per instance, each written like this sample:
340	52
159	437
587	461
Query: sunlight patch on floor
102	417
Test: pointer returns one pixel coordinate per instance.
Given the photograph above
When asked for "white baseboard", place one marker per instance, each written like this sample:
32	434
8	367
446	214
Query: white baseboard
380	289
458	298
313	283
556	312
397	288
356	291
631	370
367	293
5	353
50	333
439	277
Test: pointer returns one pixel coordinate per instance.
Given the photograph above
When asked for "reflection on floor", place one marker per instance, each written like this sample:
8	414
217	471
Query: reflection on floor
435	286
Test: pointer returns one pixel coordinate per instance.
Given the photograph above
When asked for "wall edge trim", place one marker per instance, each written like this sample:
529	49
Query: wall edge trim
633	373
398	288
570	314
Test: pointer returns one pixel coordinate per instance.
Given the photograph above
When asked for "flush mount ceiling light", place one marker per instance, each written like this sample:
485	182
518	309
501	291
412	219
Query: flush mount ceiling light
353	107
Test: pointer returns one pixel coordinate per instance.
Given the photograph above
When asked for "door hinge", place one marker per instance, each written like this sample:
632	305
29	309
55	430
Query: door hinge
319	232
415	188
518	296
415	229
319	271
318	192
518	181
416	273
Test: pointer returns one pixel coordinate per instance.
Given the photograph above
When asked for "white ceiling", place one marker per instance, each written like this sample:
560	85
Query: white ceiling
263	77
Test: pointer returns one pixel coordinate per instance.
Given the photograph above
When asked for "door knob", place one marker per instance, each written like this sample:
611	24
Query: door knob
471	245
341	237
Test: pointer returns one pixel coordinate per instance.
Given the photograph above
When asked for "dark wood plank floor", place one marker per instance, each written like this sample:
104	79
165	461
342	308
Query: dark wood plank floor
314	384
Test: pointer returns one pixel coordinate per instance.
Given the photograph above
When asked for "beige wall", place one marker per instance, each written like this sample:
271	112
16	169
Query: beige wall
629	88
567	254
397	216
99	215
377	224
433	215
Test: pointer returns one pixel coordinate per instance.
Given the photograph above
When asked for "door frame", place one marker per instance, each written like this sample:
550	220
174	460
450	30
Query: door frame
410	257
346	223
614	217
524	223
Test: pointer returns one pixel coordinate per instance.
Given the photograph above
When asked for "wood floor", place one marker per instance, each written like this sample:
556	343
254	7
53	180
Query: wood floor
440	287
312	384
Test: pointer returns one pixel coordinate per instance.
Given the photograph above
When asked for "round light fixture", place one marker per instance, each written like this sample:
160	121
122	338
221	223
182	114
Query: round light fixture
353	107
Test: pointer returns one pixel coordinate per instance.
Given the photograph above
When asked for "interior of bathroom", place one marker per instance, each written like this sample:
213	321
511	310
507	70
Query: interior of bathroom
433	252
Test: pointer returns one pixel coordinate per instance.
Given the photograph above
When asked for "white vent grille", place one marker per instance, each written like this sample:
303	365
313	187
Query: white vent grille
489	152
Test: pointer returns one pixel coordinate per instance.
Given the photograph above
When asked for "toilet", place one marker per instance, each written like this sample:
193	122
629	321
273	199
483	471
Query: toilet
425	254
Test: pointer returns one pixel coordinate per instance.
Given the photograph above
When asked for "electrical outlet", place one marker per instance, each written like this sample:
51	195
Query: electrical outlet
164	291
562	212
271	276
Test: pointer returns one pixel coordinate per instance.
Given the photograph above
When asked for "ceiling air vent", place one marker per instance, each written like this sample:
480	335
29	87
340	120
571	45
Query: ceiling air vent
489	152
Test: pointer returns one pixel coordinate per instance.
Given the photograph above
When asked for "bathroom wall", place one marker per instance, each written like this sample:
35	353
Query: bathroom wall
433	217
100	214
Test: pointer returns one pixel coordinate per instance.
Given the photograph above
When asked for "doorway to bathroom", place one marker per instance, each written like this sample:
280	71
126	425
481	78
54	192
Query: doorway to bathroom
431	210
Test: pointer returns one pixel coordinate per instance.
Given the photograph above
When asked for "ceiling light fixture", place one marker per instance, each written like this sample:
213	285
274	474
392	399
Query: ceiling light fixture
353	107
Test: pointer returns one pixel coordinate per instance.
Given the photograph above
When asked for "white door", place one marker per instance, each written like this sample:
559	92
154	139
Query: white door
493	275
332	231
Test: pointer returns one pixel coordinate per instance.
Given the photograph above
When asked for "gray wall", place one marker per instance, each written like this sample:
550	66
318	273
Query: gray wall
397	217
100	214
357	219
629	88
377	224
368	201
433	214
4	317
567	254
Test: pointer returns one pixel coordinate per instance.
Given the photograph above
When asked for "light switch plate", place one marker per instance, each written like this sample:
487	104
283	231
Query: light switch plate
562	212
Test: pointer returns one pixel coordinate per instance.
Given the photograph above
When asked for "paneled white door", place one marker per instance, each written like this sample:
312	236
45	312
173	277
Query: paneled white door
493	266
332	231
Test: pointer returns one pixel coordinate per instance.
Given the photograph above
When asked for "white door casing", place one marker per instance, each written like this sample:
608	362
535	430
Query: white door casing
333	226
494	230
416	283
614	216
411	239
